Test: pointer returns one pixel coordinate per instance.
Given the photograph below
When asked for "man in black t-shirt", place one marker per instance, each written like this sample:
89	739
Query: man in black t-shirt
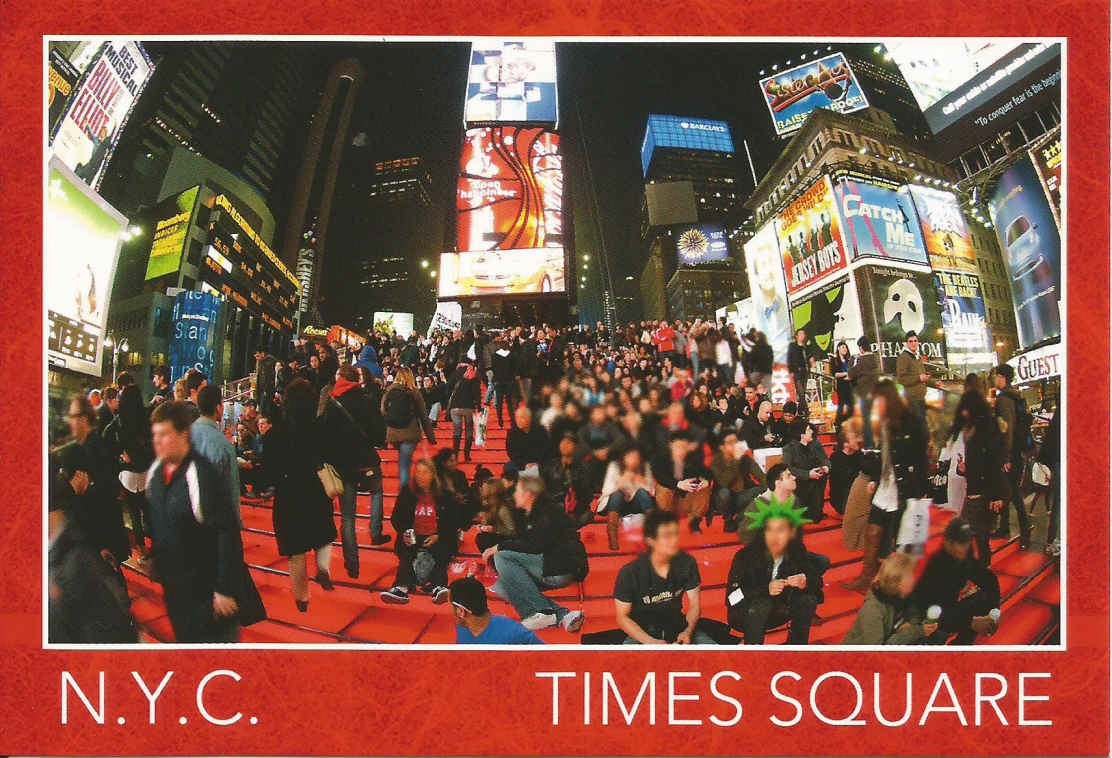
649	592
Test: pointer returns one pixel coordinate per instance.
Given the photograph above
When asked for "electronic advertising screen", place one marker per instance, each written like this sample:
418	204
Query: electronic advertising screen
739	315
879	221
511	190
511	81
811	244
98	109
61	78
390	322
766	285
195	335
502	272
1048	162
896	301
171	228
949	246
829	315
82	246
826	82
686	133
968	342
1028	235
697	244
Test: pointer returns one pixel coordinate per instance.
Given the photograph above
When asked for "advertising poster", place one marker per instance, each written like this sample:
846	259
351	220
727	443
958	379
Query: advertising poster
1048	161
968	341
1029	237
895	301
944	231
811	244
880	221
171	228
766	283
739	315
390	322
61	78
823	83
99	107
194	337
502	272
512	81
700	243
448	317
511	190
79	257
829	316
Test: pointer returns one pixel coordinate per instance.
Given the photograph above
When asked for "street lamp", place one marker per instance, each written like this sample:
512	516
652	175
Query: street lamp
117	347
424	263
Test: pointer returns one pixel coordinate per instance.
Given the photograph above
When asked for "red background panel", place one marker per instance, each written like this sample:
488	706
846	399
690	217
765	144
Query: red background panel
475	702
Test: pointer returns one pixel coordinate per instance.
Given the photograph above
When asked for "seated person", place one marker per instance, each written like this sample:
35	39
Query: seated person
682	480
476	625
774	579
596	440
567	481
456	486
628	489
752	404
546	553
526	443
888	617
497	515
789	423
675	420
737	479
649	591
807	459
845	464
760	431
967	592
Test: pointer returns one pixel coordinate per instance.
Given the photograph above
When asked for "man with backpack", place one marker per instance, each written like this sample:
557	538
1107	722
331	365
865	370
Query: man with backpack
1012	410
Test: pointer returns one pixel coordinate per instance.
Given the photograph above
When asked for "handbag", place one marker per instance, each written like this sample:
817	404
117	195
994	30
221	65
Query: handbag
1040	474
333	484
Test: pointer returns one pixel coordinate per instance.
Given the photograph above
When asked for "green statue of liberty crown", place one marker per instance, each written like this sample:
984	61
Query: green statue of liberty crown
767	511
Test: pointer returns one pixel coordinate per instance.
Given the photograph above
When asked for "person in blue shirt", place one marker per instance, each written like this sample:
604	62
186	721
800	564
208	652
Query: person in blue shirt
207	438
476	625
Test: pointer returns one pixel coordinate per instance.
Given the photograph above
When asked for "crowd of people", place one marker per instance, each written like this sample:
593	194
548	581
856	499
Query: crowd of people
655	428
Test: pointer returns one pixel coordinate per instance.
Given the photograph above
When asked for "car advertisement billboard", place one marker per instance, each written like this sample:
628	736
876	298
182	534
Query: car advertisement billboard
502	272
61	78
766	285
686	133
826	82
194	334
1048	162
895	301
511	81
949	246
81	248
171	228
511	189
964	319
1029	238
829	315
879	221
700	243
811	244
392	322
98	109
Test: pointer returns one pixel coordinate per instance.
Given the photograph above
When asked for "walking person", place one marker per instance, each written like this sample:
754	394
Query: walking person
911	372
864	374
136	455
406	419
980	450
464	396
799	364
1012	410
840	366
902	436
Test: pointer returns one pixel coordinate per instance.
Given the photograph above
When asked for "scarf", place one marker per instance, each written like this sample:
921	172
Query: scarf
342	386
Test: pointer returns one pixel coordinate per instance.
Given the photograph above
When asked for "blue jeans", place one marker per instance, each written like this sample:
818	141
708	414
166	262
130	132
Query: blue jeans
490	387
434	412
641	502
405	459
347	527
520	580
376	511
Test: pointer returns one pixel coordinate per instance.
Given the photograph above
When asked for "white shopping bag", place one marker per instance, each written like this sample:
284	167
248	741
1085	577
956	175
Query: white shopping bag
916	522
481	427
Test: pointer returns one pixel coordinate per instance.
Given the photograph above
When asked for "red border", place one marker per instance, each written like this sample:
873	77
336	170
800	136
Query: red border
442	703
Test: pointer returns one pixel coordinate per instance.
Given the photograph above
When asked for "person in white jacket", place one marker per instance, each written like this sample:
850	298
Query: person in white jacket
627	489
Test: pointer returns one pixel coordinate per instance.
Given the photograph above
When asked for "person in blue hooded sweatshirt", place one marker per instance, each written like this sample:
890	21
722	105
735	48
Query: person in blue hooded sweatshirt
368	360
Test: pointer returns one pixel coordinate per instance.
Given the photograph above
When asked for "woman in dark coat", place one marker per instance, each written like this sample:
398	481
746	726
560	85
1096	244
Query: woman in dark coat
136	455
986	485
303	519
840	365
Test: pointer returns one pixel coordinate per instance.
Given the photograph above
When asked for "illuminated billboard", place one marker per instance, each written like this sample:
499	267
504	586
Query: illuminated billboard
511	81
879	221
502	272
700	243
1048	162
98	109
1028	235
949	246
968	343
511	189
811	244
195	336
686	133
391	322
826	82
766	285
896	301
829	316
61	78
82	246
171	228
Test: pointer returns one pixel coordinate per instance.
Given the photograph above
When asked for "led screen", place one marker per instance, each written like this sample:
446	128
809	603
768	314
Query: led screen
195	337
171	228
391	322
512	81
502	272
686	133
826	82
700	243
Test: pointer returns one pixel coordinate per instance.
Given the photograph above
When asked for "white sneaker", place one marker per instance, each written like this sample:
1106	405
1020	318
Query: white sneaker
573	621
539	621
439	595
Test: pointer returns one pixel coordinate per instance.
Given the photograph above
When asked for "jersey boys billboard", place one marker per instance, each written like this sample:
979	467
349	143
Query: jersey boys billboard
880	221
810	241
824	83
512	81
511	188
947	237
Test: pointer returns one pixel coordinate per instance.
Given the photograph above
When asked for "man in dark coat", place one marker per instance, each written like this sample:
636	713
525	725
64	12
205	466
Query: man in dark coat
807	460
265	370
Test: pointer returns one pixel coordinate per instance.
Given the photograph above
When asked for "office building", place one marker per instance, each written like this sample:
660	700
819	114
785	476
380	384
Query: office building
400	181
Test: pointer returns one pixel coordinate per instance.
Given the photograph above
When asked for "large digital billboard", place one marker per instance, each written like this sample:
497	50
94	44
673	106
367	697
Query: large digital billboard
968	342
194	333
829	315
511	81
826	82
700	243
811	243
171	228
895	301
949	246
686	133
879	221
511	189
1029	238
98	109
502	272
82	246
393	322
766	285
